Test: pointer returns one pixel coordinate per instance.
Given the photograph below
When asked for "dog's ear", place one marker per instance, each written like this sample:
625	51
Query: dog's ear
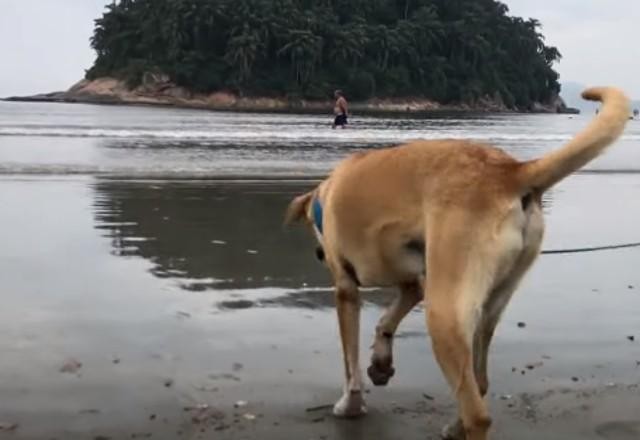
297	208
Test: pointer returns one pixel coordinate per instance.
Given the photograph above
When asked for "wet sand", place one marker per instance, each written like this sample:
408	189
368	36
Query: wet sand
181	299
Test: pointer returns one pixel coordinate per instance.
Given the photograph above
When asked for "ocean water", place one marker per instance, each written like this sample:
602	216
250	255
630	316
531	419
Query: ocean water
160	142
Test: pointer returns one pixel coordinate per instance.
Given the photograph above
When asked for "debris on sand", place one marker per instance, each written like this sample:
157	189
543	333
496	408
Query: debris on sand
219	242
202	414
427	396
506	397
116	360
71	366
533	365
319	408
240	404
168	383
8	427
181	314
224	376
252	251
631	338
575	379
249	416
522	324
237	366
208	389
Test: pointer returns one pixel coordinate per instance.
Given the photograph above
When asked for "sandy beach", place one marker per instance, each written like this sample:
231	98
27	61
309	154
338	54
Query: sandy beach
149	289
162	309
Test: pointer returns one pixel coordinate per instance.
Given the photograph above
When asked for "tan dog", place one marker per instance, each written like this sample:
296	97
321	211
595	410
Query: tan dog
471	214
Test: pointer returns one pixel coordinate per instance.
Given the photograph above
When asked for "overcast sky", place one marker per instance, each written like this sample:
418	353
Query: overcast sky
44	44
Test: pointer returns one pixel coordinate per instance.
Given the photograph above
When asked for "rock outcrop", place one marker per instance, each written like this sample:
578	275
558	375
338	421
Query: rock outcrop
158	89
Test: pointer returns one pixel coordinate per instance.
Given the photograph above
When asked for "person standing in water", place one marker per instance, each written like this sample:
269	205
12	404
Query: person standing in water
340	110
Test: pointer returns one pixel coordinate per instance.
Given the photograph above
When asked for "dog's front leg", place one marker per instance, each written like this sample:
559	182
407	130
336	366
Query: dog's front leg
381	368
351	404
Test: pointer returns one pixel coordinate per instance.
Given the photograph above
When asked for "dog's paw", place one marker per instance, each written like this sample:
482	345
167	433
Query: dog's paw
350	405
380	370
453	431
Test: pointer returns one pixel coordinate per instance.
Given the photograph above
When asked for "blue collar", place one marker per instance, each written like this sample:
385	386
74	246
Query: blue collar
317	214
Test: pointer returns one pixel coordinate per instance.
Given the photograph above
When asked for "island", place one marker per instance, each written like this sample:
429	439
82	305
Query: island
290	55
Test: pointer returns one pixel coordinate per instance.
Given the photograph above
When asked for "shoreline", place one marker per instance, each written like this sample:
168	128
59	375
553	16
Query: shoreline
158	92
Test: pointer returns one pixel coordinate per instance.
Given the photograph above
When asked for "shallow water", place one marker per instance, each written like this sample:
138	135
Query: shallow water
160	142
194	283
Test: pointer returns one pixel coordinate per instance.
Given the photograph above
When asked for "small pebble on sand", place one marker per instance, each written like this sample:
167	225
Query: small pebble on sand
71	366
532	365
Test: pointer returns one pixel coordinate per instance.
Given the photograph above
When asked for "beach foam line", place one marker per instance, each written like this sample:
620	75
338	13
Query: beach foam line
233	135
262	173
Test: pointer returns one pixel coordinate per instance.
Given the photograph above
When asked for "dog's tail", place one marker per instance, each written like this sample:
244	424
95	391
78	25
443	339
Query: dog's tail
541	174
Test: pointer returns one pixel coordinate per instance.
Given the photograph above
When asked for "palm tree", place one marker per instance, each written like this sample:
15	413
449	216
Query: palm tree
304	50
242	51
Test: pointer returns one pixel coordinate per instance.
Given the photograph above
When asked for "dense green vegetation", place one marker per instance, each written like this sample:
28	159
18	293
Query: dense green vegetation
446	50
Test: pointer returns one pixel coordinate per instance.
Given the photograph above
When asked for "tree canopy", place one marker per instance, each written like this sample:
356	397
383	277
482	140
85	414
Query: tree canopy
445	50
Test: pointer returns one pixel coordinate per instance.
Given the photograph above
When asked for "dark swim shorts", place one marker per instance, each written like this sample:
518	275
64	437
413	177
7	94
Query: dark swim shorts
341	119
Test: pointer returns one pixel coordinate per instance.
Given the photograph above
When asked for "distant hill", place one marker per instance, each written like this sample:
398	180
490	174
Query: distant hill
448	52
570	93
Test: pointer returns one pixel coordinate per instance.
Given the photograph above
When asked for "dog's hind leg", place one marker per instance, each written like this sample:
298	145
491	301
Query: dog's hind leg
351	404
461	274
485	329
453	349
381	368
492	312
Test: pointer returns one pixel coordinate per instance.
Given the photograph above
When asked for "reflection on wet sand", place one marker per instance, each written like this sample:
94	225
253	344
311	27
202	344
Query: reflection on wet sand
223	235
208	234
319	298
